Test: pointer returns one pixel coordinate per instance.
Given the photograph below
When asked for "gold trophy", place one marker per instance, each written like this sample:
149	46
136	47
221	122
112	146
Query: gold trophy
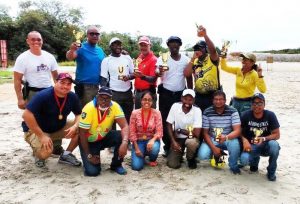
78	36
225	46
136	64
257	133
121	71
200	33
190	129
218	132
164	58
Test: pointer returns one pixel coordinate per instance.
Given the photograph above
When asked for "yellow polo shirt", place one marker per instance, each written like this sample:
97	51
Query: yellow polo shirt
89	120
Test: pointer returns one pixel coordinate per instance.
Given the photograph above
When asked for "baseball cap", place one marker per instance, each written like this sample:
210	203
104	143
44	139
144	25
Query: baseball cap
249	56
105	91
64	75
144	39
174	39
258	95
200	44
114	39
188	92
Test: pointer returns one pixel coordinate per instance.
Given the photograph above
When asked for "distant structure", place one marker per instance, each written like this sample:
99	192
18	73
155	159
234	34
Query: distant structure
3	53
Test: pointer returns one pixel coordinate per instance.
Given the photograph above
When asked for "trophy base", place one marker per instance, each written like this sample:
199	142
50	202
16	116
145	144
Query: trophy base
165	68
78	44
121	78
136	70
190	137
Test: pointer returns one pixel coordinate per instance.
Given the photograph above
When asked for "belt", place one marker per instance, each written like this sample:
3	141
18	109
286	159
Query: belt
141	90
242	99
171	92
35	89
121	91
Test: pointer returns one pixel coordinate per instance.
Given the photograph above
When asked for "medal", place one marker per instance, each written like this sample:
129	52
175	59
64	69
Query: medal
60	106
99	129
100	118
60	117
145	124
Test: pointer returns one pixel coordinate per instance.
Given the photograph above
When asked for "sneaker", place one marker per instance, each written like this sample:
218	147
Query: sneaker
253	168
236	171
57	151
153	163
39	162
69	159
192	164
119	170
271	177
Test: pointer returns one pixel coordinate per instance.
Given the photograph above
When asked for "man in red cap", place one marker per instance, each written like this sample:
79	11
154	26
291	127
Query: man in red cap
46	116
145	78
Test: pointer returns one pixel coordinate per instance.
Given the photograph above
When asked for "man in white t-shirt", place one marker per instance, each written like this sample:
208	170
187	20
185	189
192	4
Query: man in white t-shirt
184	124
173	82
116	73
35	66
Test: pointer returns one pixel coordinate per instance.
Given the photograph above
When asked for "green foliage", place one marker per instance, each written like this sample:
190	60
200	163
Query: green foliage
67	63
283	51
6	76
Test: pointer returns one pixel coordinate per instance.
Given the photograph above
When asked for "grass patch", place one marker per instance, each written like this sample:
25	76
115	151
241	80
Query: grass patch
6	76
67	63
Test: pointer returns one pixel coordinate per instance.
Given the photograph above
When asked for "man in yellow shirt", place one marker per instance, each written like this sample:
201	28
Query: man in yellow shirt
95	132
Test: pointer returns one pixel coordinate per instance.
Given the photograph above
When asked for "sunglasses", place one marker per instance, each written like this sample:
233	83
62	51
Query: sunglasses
94	34
147	99
257	103
35	39
101	99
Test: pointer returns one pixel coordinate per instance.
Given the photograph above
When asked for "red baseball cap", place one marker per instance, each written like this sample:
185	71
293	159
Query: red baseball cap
64	75
144	39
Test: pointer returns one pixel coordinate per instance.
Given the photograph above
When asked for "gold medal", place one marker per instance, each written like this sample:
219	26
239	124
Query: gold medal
144	137
60	117
99	129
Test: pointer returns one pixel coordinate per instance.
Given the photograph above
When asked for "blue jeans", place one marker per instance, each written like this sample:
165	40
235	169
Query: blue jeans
112	139
270	148
137	163
233	147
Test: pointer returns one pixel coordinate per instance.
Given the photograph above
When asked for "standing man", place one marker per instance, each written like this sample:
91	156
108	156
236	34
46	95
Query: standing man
204	67
116	72
36	66
187	121
172	83
96	134
46	116
88	59
145	77
221	129
260	130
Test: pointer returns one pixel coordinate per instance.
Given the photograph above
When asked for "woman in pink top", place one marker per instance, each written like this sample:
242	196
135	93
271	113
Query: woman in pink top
145	133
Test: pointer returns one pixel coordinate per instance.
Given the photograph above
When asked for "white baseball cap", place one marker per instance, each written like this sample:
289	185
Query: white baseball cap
188	92
114	39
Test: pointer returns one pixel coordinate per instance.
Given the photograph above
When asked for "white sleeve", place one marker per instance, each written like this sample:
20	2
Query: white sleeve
104	68
19	65
197	118
171	115
131	66
54	65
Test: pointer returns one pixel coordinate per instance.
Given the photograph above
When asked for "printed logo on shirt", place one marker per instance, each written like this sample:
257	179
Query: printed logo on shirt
83	115
42	67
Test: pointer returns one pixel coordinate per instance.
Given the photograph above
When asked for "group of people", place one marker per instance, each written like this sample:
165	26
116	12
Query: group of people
192	116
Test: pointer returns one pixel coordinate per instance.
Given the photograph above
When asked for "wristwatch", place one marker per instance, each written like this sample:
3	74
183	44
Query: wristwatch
178	130
264	139
89	156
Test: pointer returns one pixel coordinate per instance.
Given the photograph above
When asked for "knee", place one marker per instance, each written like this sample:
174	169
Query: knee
43	154
204	153
92	171
245	158
274	147
173	164
191	144
155	148
137	166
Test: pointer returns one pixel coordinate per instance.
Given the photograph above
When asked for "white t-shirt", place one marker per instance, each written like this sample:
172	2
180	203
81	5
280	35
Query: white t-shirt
112	67
36	68
173	79
182	120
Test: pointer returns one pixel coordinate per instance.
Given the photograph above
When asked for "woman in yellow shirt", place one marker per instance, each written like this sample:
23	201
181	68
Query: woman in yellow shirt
247	79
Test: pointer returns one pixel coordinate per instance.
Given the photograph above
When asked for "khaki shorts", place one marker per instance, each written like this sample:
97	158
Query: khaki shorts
35	143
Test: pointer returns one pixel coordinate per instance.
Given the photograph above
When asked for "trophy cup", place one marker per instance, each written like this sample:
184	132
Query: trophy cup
225	46
257	133
200	33
164	58
136	64
190	129
78	36
218	132
121	71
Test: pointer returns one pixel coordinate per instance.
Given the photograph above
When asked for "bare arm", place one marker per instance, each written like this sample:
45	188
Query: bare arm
125	134
275	135
72	54
17	85
54	75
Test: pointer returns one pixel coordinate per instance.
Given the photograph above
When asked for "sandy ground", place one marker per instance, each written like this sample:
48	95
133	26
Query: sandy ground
22	182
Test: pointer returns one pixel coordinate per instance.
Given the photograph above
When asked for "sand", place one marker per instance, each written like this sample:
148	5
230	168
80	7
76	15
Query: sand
22	182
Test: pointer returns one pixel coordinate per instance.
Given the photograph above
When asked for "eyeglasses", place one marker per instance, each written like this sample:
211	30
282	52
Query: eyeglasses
93	34
257	103
147	99
35	39
104	99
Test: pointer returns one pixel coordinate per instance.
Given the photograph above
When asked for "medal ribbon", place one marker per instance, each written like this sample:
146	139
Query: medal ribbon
145	126
60	106
100	120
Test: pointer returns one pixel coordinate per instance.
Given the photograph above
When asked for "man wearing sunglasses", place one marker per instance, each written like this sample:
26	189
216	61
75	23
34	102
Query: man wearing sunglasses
260	130
88	56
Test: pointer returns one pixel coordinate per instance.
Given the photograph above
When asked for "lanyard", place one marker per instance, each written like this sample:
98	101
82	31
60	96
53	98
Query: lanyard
60	106
100	120
145	126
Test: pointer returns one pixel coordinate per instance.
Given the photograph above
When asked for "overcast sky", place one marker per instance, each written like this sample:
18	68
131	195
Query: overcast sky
250	24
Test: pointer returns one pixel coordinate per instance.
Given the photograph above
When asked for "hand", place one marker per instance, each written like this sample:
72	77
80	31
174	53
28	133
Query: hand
201	32
126	78
138	73
217	152
246	146
138	152
123	149
196	55
95	159
74	46
150	144
71	132
222	139
259	71
46	143
22	104
176	147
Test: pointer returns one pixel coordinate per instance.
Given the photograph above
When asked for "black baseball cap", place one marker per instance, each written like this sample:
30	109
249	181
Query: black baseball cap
105	91
174	39
258	95
199	45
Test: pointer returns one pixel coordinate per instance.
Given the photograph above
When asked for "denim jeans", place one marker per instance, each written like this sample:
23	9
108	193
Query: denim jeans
233	147
137	163
112	139
270	148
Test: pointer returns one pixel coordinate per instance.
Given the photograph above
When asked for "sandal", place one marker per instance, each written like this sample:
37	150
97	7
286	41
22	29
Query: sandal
39	163
153	163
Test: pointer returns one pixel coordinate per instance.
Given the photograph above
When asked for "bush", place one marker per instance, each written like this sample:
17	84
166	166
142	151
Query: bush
67	63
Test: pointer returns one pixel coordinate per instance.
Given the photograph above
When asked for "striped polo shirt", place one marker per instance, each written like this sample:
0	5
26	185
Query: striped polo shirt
211	119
